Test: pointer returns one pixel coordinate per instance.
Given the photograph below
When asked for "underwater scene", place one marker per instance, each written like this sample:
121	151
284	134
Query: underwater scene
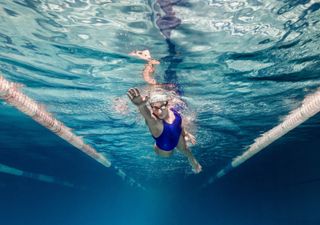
154	112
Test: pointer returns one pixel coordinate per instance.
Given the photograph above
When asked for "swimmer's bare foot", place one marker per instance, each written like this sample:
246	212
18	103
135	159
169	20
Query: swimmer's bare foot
154	62
145	55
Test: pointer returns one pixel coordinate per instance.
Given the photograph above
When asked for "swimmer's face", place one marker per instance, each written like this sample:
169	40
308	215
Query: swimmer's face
160	109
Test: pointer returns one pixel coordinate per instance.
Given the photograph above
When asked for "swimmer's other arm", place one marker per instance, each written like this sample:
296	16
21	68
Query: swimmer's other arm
188	137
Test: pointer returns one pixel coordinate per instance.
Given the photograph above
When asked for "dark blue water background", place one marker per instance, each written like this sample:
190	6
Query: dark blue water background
240	66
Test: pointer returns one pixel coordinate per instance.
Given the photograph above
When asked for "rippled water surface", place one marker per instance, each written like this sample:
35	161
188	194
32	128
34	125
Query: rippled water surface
240	66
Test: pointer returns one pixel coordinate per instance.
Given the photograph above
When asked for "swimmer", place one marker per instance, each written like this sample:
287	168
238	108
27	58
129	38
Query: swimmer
164	122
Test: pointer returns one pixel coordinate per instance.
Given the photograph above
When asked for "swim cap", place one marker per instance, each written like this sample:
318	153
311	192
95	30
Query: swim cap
158	97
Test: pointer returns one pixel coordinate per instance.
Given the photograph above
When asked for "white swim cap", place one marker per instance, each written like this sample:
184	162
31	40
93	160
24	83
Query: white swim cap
158	97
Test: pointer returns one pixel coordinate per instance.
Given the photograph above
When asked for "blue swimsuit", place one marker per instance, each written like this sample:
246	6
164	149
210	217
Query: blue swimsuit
170	135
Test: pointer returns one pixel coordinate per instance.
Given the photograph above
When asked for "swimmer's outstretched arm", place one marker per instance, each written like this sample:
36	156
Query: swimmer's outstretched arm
149	68
139	101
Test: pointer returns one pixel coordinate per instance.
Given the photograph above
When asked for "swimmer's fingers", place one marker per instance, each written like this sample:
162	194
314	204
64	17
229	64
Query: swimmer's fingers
190	138
129	96
193	140
134	92
130	93
135	97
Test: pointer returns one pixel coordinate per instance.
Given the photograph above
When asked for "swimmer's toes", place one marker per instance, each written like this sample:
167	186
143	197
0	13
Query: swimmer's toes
141	55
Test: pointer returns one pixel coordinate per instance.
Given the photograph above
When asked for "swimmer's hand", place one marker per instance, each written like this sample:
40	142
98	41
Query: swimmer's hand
136	98
189	138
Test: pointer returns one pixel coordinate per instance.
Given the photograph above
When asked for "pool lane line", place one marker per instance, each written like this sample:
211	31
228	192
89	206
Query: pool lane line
10	92
310	106
35	176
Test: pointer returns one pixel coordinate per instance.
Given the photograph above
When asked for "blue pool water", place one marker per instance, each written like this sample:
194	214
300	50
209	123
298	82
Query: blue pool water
240	66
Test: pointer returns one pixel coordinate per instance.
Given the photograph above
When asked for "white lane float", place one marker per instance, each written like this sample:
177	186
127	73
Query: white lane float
310	106
10	92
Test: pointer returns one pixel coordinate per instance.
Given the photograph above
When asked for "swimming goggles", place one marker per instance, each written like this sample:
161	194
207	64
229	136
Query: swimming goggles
162	107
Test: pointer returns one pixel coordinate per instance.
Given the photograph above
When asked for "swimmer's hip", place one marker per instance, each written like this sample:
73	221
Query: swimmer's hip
164	153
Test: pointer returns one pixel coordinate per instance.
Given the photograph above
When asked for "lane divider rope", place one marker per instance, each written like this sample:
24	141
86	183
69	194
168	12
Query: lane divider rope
310	106
40	177
10	92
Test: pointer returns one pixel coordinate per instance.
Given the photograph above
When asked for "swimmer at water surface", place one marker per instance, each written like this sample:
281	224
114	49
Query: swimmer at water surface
164	122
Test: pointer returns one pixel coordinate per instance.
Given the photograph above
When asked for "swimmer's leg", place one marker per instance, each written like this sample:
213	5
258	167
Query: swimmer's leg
182	146
144	54
162	152
149	68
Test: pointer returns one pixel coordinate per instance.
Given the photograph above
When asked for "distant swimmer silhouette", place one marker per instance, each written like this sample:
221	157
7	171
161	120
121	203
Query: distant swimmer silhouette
164	121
